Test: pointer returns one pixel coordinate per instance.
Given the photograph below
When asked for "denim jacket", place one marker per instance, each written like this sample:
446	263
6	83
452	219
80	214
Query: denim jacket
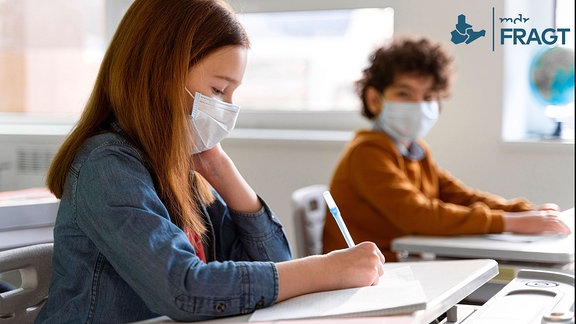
119	258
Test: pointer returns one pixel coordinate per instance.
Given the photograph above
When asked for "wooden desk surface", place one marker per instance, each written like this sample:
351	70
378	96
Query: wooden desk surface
445	283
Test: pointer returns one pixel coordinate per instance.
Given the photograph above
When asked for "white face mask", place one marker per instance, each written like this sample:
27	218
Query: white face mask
407	121
212	120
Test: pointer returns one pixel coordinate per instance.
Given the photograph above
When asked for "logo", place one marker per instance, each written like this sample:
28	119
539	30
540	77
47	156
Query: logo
464	32
525	36
510	31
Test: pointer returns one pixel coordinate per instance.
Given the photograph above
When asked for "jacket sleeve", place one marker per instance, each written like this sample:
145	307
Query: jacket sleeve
125	219
248	236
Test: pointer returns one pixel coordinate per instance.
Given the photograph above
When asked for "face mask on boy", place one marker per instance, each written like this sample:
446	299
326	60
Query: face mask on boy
407	121
212	120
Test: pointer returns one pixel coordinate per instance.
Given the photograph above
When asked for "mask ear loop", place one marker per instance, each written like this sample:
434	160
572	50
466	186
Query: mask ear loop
194	105
190	93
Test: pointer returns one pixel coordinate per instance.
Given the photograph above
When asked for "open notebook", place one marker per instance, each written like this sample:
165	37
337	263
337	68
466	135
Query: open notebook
397	293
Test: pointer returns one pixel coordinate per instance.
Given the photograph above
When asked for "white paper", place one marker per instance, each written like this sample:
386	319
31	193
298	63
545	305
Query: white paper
397	293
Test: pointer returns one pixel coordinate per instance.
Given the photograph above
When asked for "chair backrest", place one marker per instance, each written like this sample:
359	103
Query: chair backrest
309	213
34	262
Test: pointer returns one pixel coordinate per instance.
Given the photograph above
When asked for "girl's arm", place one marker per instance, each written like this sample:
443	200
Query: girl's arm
219	170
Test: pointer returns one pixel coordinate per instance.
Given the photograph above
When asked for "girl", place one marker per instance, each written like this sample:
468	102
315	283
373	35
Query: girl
154	217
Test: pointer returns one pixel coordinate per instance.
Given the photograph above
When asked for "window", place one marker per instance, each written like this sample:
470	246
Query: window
50	52
304	59
526	118
565	113
565	17
309	60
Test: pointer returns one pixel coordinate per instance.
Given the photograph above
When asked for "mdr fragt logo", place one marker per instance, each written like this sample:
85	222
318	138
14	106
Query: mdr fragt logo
516	30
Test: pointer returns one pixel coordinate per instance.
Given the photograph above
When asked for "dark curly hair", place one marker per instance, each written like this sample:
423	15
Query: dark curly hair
405	55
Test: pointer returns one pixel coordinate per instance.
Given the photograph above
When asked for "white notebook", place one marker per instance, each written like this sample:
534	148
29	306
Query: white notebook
397	293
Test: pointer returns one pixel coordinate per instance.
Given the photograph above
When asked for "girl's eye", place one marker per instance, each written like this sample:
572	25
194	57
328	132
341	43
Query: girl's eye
217	92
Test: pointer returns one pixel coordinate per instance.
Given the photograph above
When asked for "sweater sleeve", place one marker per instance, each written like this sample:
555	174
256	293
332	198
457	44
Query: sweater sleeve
411	196
454	191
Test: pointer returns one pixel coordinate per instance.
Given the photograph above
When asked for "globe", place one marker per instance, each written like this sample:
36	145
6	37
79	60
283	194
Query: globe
552	76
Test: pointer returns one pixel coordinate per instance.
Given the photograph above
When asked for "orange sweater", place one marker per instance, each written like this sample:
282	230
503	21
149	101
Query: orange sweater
383	195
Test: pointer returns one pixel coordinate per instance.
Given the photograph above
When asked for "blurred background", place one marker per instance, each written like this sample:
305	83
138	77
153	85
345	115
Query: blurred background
507	128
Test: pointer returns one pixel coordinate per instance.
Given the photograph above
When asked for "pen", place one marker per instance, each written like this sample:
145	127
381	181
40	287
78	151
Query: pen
336	213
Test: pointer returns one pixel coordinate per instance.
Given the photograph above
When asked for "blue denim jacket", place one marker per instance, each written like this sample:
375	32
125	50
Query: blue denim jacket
119	258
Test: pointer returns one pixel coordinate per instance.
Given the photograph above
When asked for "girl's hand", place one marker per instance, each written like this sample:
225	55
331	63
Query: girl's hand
219	170
206	162
361	265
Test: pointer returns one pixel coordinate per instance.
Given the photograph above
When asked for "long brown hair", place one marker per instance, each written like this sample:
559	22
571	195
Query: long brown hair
140	85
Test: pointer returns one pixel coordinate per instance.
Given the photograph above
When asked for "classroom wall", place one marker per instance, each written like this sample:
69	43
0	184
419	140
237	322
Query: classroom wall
466	141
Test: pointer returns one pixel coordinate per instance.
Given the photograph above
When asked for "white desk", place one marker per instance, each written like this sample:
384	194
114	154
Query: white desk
27	222
550	254
445	283
35	212
548	250
533	297
553	251
23	237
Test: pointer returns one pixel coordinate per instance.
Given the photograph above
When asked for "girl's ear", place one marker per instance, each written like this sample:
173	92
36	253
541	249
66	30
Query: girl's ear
374	100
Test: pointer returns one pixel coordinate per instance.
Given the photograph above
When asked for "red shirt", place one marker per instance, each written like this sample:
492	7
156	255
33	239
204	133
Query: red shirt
196	242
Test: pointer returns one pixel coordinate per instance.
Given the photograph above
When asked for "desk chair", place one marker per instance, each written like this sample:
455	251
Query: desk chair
34	262
309	212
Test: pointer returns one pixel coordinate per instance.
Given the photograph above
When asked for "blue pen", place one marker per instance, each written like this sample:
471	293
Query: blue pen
336	213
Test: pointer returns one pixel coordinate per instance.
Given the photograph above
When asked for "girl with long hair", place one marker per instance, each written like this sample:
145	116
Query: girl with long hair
154	217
